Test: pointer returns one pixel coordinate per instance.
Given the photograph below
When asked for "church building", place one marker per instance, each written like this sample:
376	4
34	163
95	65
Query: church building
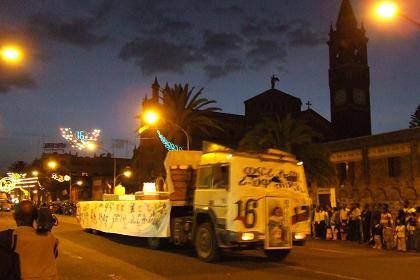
359	157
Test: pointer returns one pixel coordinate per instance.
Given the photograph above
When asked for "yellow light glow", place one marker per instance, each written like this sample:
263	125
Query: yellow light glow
52	164
127	173
386	10
35	173
151	117
91	146
149	187
247	236
79	183
11	54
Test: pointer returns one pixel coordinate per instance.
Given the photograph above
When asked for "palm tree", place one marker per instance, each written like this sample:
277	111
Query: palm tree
293	136
18	166
415	118
184	110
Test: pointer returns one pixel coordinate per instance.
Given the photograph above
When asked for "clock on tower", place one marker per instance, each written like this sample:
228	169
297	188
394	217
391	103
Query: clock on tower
349	77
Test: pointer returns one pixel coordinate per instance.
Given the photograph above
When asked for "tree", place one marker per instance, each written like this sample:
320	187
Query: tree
185	110
18	166
293	136
415	118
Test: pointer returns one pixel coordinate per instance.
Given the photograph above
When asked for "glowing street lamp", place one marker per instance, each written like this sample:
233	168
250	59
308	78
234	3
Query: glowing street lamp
127	173
151	118
388	10
52	164
11	54
79	183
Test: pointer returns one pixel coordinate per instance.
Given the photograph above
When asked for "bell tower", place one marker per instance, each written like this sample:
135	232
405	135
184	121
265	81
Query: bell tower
349	77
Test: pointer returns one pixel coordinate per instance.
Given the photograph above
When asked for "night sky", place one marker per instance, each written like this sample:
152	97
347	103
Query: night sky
89	64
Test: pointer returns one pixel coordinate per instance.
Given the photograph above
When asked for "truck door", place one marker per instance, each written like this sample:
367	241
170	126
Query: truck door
212	188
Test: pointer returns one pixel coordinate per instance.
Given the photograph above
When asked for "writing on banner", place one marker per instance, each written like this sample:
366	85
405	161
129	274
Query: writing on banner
143	218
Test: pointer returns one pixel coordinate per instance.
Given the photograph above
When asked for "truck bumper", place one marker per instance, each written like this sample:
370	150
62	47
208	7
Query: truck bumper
231	239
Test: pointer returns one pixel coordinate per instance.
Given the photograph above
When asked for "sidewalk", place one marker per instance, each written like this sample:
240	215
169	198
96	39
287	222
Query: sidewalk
353	245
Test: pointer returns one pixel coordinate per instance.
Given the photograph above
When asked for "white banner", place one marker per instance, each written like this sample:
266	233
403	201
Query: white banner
143	218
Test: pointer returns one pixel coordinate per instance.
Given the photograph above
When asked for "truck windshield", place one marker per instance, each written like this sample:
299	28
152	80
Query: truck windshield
213	177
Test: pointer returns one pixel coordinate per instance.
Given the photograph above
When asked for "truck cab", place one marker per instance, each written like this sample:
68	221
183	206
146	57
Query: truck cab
245	200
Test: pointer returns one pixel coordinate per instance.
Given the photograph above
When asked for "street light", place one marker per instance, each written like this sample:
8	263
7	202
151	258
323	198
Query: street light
388	10
53	165
11	54
126	174
151	118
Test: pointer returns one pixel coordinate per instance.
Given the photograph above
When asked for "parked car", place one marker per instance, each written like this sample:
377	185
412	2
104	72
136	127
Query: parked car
5	206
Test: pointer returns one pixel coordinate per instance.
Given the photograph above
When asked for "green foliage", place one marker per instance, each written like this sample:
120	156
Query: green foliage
415	118
293	136
184	109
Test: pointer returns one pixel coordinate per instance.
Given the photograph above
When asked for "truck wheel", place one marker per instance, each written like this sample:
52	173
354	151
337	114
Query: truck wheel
156	243
206	243
277	255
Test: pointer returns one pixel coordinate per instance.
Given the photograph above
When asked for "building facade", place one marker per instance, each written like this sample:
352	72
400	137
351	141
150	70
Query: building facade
96	174
382	168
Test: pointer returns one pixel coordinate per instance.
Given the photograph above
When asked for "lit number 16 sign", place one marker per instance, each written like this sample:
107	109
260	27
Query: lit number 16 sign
246	212
80	134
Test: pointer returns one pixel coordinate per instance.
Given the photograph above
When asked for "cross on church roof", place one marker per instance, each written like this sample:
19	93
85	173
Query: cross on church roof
308	104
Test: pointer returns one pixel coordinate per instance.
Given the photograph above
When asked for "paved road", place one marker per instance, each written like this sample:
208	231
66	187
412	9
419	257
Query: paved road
108	256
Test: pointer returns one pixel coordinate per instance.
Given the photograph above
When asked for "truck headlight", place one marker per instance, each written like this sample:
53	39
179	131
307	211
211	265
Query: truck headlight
299	236
246	236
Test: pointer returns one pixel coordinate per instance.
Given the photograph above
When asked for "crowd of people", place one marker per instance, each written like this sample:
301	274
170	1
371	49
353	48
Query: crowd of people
372	224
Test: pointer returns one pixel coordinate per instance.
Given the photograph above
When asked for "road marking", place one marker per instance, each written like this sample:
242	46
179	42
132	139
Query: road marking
331	251
338	276
116	277
72	255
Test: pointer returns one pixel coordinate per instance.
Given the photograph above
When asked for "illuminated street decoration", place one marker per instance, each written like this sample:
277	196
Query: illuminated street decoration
7	184
80	139
17	181
168	145
60	178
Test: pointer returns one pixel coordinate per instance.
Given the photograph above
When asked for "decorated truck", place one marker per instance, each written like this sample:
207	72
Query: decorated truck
215	199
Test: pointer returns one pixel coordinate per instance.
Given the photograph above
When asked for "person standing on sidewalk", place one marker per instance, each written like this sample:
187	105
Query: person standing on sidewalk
344	217
387	224
400	236
366	223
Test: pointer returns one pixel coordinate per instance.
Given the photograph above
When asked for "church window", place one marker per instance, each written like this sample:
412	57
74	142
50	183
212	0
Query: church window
394	166
338	55
346	172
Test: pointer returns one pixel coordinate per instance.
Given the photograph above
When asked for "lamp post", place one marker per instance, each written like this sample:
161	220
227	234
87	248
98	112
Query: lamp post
126	173
387	10
151	118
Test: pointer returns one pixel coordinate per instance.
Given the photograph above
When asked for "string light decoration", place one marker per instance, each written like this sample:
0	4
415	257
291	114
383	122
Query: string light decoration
57	177
168	145
80	139
17	181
